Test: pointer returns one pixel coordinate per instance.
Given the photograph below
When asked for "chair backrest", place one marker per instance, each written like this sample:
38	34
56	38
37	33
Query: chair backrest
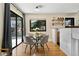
44	39
29	40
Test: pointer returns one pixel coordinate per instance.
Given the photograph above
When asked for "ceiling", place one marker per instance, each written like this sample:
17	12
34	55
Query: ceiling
48	7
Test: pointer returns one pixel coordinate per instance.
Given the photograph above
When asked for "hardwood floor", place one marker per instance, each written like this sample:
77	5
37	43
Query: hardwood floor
54	50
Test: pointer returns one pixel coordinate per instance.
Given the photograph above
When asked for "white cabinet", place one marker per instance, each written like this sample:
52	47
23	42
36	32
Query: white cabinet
65	40
75	41
69	41
75	33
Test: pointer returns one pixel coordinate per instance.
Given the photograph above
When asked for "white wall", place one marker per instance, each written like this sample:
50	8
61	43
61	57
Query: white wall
28	17
48	18
1	22
77	19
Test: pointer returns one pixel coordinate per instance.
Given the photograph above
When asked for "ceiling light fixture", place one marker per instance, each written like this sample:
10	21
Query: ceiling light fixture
38	7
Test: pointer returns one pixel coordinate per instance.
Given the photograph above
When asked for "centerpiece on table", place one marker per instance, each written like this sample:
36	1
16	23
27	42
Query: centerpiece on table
36	30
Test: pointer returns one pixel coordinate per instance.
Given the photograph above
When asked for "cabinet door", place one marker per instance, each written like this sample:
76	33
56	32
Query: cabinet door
75	33
65	40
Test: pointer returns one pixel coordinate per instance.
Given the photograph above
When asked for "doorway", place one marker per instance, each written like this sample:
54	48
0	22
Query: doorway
56	36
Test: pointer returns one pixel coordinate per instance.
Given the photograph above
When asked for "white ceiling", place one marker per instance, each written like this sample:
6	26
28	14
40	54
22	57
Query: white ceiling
48	7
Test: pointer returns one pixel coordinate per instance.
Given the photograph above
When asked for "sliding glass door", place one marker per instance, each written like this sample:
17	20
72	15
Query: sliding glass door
16	29
13	29
19	30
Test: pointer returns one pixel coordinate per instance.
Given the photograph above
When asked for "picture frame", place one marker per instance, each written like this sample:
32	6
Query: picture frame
37	25
69	21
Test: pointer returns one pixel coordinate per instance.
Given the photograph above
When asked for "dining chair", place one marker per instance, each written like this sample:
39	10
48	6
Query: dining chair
29	41
43	41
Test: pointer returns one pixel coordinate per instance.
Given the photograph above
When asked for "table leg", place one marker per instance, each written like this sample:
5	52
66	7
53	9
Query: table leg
37	46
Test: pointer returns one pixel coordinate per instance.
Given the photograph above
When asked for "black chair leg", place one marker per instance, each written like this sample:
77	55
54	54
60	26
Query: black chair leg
34	49
30	49
26	48
43	48
37	48
47	46
31	46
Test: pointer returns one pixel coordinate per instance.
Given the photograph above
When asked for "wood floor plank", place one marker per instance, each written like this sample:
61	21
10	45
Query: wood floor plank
54	50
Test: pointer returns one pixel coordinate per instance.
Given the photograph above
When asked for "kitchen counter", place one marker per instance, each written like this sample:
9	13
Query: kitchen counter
71	26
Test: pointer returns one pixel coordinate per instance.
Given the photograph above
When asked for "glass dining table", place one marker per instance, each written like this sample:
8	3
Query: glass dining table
37	38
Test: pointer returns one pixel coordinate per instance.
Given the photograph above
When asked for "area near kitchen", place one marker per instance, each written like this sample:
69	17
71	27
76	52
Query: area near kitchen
67	36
